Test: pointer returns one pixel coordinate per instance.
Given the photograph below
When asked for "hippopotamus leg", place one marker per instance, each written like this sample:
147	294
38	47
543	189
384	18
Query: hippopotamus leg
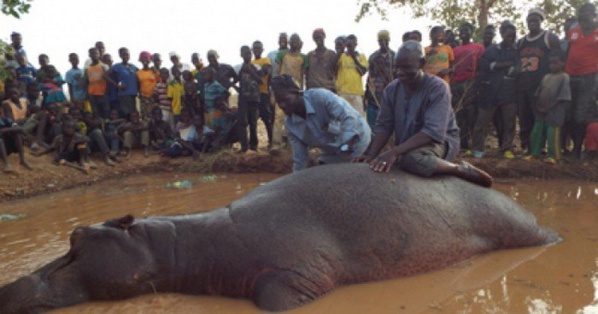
282	290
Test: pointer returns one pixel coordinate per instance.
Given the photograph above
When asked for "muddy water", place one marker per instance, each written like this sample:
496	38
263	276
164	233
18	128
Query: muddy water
559	279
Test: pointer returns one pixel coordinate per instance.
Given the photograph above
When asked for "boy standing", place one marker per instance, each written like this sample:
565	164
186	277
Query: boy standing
266	109
554	96
125	79
175	92
75	80
439	57
96	84
250	79
352	66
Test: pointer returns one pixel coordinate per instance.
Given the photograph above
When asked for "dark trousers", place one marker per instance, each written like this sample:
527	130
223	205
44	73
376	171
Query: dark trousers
126	105
583	108
507	114
463	94
525	113
266	115
100	106
247	116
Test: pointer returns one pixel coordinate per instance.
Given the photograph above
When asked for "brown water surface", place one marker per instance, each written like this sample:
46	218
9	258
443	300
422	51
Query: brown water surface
562	278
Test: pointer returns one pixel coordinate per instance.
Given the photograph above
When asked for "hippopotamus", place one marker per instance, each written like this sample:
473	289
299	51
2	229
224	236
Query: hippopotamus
286	243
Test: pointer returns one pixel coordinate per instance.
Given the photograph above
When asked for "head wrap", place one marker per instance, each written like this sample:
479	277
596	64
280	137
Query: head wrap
283	83
319	31
538	11
145	54
384	34
214	53
174	54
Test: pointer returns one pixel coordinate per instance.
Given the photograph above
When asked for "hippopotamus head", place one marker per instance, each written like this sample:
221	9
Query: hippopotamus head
108	261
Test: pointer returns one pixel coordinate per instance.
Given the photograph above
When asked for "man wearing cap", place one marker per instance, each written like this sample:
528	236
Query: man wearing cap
175	58
417	109
534	50
319	118
582	66
380	75
321	64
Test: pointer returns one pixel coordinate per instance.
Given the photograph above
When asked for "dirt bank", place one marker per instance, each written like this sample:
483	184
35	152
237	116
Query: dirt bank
48	177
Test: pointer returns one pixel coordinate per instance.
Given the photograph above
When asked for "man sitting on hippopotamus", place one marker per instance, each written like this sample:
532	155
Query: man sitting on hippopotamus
417	108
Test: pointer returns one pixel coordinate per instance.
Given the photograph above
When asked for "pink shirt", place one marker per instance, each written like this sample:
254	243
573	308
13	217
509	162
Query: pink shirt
466	61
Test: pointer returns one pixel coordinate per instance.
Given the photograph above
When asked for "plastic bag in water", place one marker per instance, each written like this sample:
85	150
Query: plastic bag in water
185	184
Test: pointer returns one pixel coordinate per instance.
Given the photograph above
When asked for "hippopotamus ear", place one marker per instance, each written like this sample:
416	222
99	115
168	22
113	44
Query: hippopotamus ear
122	223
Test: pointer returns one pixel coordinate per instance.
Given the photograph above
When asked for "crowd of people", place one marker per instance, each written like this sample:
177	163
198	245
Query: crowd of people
539	87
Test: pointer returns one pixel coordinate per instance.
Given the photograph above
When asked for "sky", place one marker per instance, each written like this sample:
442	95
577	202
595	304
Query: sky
59	27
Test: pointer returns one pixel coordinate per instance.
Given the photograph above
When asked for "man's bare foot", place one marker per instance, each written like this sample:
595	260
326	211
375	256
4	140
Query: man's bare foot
146	152
109	161
92	164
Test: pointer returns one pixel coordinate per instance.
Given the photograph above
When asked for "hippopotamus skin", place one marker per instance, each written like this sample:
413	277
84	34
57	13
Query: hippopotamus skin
286	243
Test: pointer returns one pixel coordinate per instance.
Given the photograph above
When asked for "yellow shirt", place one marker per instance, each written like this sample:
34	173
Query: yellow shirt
348	79
176	91
147	82
264	85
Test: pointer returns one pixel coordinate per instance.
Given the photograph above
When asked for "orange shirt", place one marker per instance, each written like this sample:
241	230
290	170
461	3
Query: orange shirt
18	113
147	82
437	59
96	84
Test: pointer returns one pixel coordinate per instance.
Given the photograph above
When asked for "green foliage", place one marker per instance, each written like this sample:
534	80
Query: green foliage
15	8
480	13
4	48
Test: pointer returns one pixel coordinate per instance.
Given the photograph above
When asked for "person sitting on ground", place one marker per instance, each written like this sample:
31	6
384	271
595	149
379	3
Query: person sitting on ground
96	136
319	118
112	126
12	114
161	136
70	148
135	134
553	98
193	136
417	109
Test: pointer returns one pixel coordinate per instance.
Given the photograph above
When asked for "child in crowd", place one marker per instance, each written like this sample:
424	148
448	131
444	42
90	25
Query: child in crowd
148	78
135	134
553	97
175	92
111	89
70	148
112	126
76	81
95	79
50	82
193	136
214	93
13	112
439	57
190	99
26	73
96	136
161	97
160	131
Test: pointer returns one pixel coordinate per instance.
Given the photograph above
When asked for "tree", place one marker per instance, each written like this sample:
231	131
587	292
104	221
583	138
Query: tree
452	13
15	8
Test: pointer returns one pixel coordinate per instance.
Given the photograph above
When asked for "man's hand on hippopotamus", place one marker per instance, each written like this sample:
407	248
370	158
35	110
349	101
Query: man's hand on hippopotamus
384	161
362	158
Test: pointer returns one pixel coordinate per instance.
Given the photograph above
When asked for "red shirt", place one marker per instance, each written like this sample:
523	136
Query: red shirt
583	52
466	61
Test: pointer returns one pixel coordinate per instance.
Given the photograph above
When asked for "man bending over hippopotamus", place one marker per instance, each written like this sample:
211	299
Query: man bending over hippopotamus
417	108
